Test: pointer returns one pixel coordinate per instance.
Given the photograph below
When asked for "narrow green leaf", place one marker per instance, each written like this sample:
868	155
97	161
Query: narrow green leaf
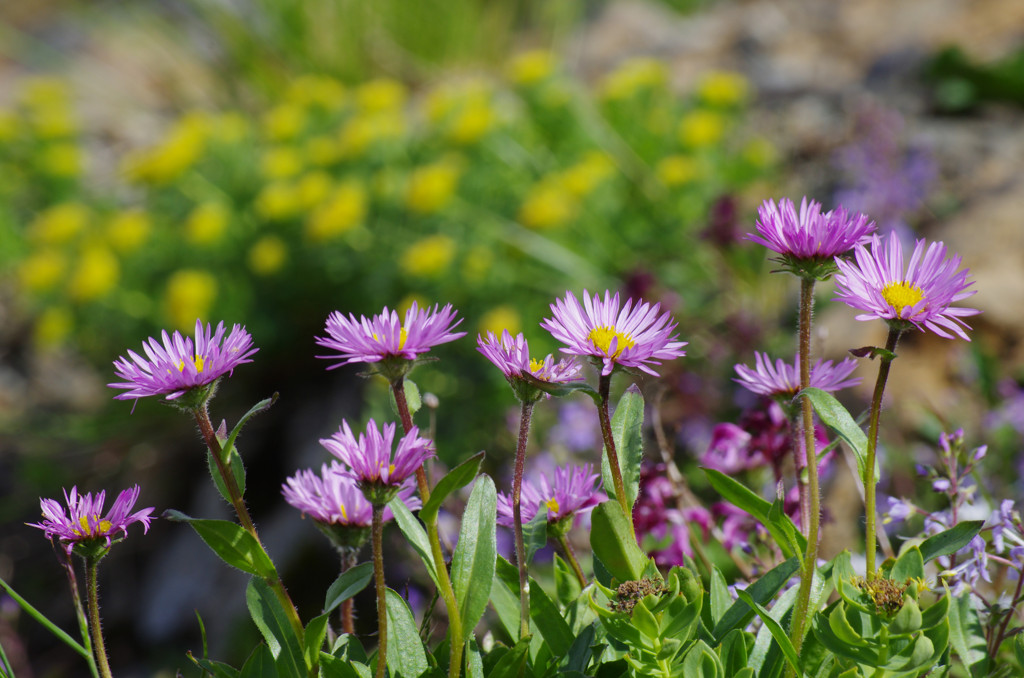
231	542
313	638
406	656
718	592
776	630
733	652
348	584
414	532
627	432
261	406
260	664
739	495
549	620
567	586
951	540
702	662
474	661
474	557
910	565
837	418
214	668
761	591
513	662
49	625
235	467
535	535
458	477
967	636
613	543
333	667
271	620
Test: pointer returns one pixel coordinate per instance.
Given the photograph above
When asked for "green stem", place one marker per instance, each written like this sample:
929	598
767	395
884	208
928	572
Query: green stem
93	603
202	416
444	582
382	605
869	480
517	520
603	389
349	559
567	551
813	495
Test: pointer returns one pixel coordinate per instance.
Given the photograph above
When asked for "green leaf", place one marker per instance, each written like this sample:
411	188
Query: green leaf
414	532
739	495
235	467
613	542
513	662
260	664
733	652
261	406
702	662
49	625
627	432
475	554
549	620
406	656
214	668
837	418
349	583
718	592
271	620
1018	648
231	542
910	565
951	540
412	397
313	638
761	591
333	667
776	630
535	535
457	478
567	586
967	636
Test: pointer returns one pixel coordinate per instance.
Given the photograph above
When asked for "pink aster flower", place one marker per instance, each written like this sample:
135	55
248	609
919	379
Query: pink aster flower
334	497
921	297
371	458
371	340
177	364
84	522
511	355
574	491
808	234
633	336
783	379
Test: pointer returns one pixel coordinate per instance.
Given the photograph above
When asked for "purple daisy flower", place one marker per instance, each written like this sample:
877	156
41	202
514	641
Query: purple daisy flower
370	457
922	297
334	497
808	234
511	355
783	379
574	491
634	336
84	521
371	340
178	364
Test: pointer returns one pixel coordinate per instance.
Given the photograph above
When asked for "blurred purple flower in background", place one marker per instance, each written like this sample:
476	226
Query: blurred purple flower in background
658	517
576	429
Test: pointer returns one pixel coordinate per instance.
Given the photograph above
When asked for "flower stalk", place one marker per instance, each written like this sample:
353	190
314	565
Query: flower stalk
603	389
517	519
378	576
869	480
563	545
93	604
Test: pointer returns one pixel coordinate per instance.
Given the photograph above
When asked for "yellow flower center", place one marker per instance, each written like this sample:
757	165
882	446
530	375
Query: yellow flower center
602	338
344	513
552	505
103	527
402	336
536	365
198	361
901	295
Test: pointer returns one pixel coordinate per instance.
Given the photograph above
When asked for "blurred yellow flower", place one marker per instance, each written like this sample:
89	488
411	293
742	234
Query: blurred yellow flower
342	211
547	205
723	88
10	126
284	122
760	152
431	187
587	174
280	162
229	128
475	120
313	187
362	131
633	76
500	318
531	67
62	160
96	272
184	145
44	92
478	263
41	270
278	200
407	301
699	129
267	255
52	327
207	223
428	257
382	94
127	230
53	124
59	224
316	90
190	294
322	150
676	170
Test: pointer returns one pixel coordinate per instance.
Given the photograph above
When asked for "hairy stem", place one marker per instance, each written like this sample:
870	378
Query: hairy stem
349	559
604	388
570	555
869	480
443	580
93	604
83	619
517	520
378	575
